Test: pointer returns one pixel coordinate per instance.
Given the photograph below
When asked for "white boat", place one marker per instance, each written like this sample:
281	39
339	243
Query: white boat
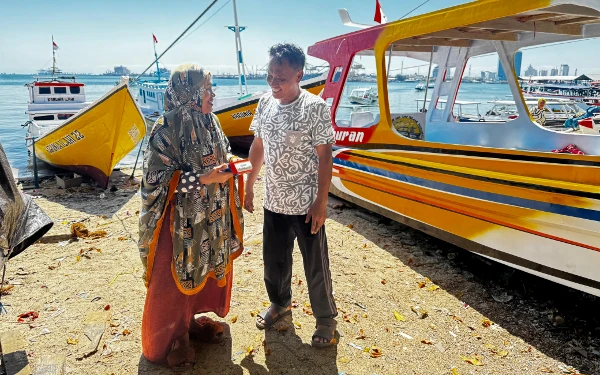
363	95
421	86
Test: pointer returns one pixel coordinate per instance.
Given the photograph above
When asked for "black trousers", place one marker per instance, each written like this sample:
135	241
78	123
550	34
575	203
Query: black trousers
279	233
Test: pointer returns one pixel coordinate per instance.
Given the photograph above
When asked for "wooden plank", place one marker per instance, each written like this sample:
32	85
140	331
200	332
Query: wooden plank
573	21
511	24
538	17
50	365
573	10
412	48
14	355
94	326
473	35
433	42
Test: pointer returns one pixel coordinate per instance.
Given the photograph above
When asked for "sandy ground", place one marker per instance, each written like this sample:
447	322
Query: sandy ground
408	303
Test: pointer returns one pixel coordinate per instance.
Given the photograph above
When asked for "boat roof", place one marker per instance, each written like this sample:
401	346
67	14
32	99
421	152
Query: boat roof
459	102
57	83
582	77
477	25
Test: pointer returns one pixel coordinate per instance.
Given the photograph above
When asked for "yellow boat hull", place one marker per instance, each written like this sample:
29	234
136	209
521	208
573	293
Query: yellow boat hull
235	119
93	141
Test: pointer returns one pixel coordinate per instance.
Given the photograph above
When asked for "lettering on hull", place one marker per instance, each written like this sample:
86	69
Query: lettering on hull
66	141
349	136
241	115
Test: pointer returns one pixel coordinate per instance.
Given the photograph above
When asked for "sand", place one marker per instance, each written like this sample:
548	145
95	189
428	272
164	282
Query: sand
385	277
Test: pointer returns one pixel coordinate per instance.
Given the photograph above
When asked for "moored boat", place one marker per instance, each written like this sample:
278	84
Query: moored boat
494	188
86	138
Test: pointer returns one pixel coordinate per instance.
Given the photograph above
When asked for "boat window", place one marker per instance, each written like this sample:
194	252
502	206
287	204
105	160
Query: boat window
358	106
44	118
337	74
44	90
64	116
75	89
141	92
60	90
484	94
567	91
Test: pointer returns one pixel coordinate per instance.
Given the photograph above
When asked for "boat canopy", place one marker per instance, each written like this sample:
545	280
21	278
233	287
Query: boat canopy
477	25
582	77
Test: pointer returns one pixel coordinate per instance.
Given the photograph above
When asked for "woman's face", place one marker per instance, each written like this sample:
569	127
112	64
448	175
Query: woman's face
207	100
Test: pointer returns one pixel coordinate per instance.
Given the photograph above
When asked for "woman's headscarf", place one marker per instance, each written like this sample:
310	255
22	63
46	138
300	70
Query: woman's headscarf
183	139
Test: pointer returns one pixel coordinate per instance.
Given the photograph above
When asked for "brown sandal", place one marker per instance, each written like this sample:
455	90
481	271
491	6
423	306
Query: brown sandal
325	329
270	319
207	330
181	357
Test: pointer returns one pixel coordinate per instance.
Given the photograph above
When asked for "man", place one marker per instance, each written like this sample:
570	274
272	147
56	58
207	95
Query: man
538	112
293	136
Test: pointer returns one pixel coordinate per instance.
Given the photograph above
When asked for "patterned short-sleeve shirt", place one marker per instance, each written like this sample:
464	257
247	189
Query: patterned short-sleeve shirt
290	134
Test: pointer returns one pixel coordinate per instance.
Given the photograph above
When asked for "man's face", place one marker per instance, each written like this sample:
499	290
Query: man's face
283	80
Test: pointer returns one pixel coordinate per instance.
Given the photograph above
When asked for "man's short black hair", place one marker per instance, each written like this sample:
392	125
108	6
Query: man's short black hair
290	53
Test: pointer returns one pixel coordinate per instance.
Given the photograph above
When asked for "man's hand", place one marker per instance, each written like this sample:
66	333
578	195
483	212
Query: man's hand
317	213
249	201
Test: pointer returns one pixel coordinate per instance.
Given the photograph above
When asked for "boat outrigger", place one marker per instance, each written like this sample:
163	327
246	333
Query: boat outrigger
495	188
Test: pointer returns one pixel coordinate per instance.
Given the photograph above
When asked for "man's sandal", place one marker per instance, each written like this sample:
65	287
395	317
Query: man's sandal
326	330
269	318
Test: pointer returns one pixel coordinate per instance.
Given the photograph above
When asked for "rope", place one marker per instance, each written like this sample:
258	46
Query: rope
176	40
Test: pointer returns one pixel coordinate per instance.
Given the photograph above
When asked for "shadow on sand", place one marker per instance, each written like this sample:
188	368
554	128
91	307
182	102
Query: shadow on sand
536	311
83	198
285	353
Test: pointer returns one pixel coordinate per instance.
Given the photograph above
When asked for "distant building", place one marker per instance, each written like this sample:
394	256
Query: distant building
553	72
564	70
488	76
531	71
518	61
122	71
434	74
543	72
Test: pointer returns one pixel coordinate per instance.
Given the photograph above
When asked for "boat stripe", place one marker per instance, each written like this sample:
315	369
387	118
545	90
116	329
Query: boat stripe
474	215
477	247
559	209
483	154
549	189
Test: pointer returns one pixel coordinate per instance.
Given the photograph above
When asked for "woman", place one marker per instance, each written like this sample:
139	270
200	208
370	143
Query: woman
191	222
538	113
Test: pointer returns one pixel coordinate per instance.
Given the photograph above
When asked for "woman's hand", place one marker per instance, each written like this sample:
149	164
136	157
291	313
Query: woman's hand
215	176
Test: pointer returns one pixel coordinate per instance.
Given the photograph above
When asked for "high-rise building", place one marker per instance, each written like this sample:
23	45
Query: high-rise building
543	72
553	72
518	60
434	73
531	72
564	70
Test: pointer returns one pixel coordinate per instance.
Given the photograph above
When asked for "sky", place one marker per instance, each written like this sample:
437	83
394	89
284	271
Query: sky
94	35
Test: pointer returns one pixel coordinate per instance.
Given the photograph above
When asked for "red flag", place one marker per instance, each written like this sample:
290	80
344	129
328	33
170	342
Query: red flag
54	46
155	40
379	15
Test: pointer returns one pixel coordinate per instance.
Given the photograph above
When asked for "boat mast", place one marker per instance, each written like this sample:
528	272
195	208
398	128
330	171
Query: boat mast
238	50
156	57
53	57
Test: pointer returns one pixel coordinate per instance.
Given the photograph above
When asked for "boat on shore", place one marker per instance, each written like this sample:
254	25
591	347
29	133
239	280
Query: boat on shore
494	188
88	138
